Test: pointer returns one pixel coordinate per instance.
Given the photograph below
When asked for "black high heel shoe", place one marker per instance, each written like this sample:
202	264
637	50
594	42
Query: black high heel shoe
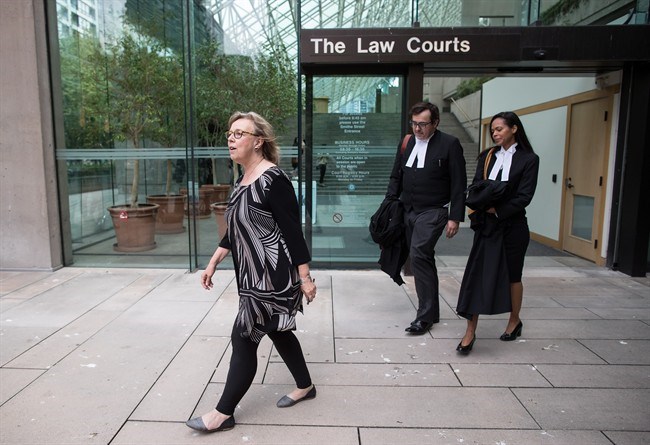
465	349
516	332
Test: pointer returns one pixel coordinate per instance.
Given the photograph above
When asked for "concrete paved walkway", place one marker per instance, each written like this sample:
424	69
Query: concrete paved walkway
127	356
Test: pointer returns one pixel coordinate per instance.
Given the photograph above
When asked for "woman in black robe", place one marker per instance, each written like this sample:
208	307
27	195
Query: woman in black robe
492	280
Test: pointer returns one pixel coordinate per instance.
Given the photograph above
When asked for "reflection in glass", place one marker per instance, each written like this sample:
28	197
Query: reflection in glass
357	124
583	217
144	104
235	56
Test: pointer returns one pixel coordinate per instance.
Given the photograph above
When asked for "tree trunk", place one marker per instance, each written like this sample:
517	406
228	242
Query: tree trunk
134	184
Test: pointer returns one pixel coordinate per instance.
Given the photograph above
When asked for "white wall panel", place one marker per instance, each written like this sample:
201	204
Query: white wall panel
513	93
547	131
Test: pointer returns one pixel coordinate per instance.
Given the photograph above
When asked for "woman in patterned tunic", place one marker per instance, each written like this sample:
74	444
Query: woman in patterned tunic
271	266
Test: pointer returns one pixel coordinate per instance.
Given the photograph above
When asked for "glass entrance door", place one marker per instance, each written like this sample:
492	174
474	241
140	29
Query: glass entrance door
353	133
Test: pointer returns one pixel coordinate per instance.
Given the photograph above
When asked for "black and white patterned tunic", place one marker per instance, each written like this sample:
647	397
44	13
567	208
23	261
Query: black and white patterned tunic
265	239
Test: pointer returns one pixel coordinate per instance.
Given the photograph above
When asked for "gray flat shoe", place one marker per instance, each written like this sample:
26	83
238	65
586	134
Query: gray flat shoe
286	401
198	425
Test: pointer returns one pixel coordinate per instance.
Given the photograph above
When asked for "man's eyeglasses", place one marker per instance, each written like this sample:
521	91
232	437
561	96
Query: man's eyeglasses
420	125
238	134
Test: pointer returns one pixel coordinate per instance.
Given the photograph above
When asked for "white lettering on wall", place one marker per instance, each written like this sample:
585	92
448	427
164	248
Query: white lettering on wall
415	45
327	46
375	47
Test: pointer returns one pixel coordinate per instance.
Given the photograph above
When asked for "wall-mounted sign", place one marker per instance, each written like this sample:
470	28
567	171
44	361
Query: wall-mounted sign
543	45
404	45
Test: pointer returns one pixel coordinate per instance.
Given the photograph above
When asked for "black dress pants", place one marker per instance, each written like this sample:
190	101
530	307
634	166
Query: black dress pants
243	365
422	233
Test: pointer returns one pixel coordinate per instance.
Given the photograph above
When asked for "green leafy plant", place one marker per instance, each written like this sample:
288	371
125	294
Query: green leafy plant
134	67
83	81
168	96
469	86
265	83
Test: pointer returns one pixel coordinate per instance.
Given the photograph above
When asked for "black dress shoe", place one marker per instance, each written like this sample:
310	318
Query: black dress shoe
514	334
465	349
198	425
286	401
418	327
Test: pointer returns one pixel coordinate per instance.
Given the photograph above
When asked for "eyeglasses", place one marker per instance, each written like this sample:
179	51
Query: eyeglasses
420	125
238	134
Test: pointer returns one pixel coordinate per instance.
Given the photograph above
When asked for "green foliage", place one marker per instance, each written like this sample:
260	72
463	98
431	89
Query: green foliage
265	83
85	113
469	86
135	89
135	70
168	97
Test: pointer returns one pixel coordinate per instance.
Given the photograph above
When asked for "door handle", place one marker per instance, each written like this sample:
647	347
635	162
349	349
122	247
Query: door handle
567	183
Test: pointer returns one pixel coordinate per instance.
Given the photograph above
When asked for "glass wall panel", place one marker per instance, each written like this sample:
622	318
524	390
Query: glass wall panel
123	88
250	66
471	13
357	123
147	87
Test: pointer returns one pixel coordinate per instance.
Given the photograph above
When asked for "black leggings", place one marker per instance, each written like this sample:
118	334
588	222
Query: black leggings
243	366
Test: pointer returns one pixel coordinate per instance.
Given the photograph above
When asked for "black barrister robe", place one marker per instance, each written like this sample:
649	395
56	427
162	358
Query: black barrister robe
485	288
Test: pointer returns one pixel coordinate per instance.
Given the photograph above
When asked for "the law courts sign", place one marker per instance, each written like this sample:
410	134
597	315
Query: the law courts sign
525	46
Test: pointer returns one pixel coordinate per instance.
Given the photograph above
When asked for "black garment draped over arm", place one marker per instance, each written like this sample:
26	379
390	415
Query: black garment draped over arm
395	180
522	182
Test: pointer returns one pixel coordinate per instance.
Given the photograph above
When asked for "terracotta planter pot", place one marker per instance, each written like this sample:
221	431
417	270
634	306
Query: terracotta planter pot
135	228
171	212
219	210
200	208
220	192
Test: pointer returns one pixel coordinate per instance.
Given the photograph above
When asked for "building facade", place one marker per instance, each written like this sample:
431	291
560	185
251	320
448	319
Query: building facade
106	103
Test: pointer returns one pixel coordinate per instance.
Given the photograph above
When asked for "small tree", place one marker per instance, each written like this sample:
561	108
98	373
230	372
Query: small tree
214	100
133	66
170	129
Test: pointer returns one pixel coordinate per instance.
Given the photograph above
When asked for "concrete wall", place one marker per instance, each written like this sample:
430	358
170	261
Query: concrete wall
30	234
468	112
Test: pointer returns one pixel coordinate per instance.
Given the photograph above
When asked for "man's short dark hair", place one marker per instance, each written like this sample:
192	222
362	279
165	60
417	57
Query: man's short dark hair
422	106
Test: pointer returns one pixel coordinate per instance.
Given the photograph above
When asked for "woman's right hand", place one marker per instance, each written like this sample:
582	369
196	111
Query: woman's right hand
308	288
206	277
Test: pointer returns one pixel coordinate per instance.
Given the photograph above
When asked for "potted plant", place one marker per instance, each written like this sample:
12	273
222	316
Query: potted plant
215	95
169	132
133	65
